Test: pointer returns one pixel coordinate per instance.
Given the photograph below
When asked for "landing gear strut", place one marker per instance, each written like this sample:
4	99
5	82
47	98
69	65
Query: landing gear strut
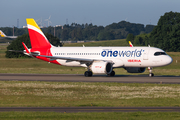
150	72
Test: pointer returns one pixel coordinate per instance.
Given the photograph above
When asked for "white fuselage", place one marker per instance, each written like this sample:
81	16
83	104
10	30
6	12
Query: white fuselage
9	37
119	56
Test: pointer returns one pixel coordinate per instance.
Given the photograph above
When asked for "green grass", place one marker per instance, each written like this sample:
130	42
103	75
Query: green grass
90	116
65	94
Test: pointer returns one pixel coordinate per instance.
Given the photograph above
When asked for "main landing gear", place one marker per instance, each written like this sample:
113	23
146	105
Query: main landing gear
88	74
150	72
111	74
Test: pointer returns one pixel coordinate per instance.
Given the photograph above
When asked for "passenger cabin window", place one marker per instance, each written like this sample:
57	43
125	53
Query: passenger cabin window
159	53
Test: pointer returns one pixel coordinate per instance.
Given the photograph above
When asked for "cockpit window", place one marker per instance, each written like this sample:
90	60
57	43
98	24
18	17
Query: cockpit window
159	53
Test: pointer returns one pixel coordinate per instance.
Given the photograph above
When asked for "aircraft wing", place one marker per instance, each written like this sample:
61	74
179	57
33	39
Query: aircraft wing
68	58
12	37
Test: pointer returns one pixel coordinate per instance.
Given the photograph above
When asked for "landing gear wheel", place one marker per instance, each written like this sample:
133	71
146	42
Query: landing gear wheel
151	74
88	74
112	73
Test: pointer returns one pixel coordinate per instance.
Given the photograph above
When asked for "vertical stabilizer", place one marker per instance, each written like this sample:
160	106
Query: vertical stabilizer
37	37
130	44
2	34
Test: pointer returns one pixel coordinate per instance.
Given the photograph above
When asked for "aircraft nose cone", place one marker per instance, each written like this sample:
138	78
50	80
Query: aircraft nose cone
169	60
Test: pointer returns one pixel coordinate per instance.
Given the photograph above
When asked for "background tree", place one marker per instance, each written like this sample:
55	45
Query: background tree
105	35
53	40
141	40
65	35
130	37
17	45
149	28
166	35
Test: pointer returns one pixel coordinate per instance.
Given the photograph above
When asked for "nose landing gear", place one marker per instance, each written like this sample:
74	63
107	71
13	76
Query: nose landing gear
150	72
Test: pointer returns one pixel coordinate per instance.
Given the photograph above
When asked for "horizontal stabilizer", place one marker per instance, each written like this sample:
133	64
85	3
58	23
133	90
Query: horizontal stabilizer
25	47
16	51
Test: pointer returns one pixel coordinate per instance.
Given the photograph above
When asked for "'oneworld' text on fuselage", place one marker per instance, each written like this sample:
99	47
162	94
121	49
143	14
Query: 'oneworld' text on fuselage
116	53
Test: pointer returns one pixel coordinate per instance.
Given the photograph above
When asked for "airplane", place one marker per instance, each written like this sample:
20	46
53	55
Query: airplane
4	36
98	60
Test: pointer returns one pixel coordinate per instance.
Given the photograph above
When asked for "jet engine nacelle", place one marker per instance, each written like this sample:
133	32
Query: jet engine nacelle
135	69
101	67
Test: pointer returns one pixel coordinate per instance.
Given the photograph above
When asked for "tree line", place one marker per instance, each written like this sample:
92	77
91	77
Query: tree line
166	35
77	32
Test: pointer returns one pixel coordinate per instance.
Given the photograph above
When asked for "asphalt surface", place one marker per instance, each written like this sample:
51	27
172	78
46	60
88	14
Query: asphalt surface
95	78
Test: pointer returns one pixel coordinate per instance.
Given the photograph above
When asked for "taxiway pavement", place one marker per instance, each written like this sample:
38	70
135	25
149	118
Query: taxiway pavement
95	78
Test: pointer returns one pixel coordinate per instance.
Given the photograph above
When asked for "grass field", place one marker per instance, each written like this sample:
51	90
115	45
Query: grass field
58	94
90	116
64	94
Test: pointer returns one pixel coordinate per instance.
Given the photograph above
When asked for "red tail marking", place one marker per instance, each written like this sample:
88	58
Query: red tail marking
37	40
